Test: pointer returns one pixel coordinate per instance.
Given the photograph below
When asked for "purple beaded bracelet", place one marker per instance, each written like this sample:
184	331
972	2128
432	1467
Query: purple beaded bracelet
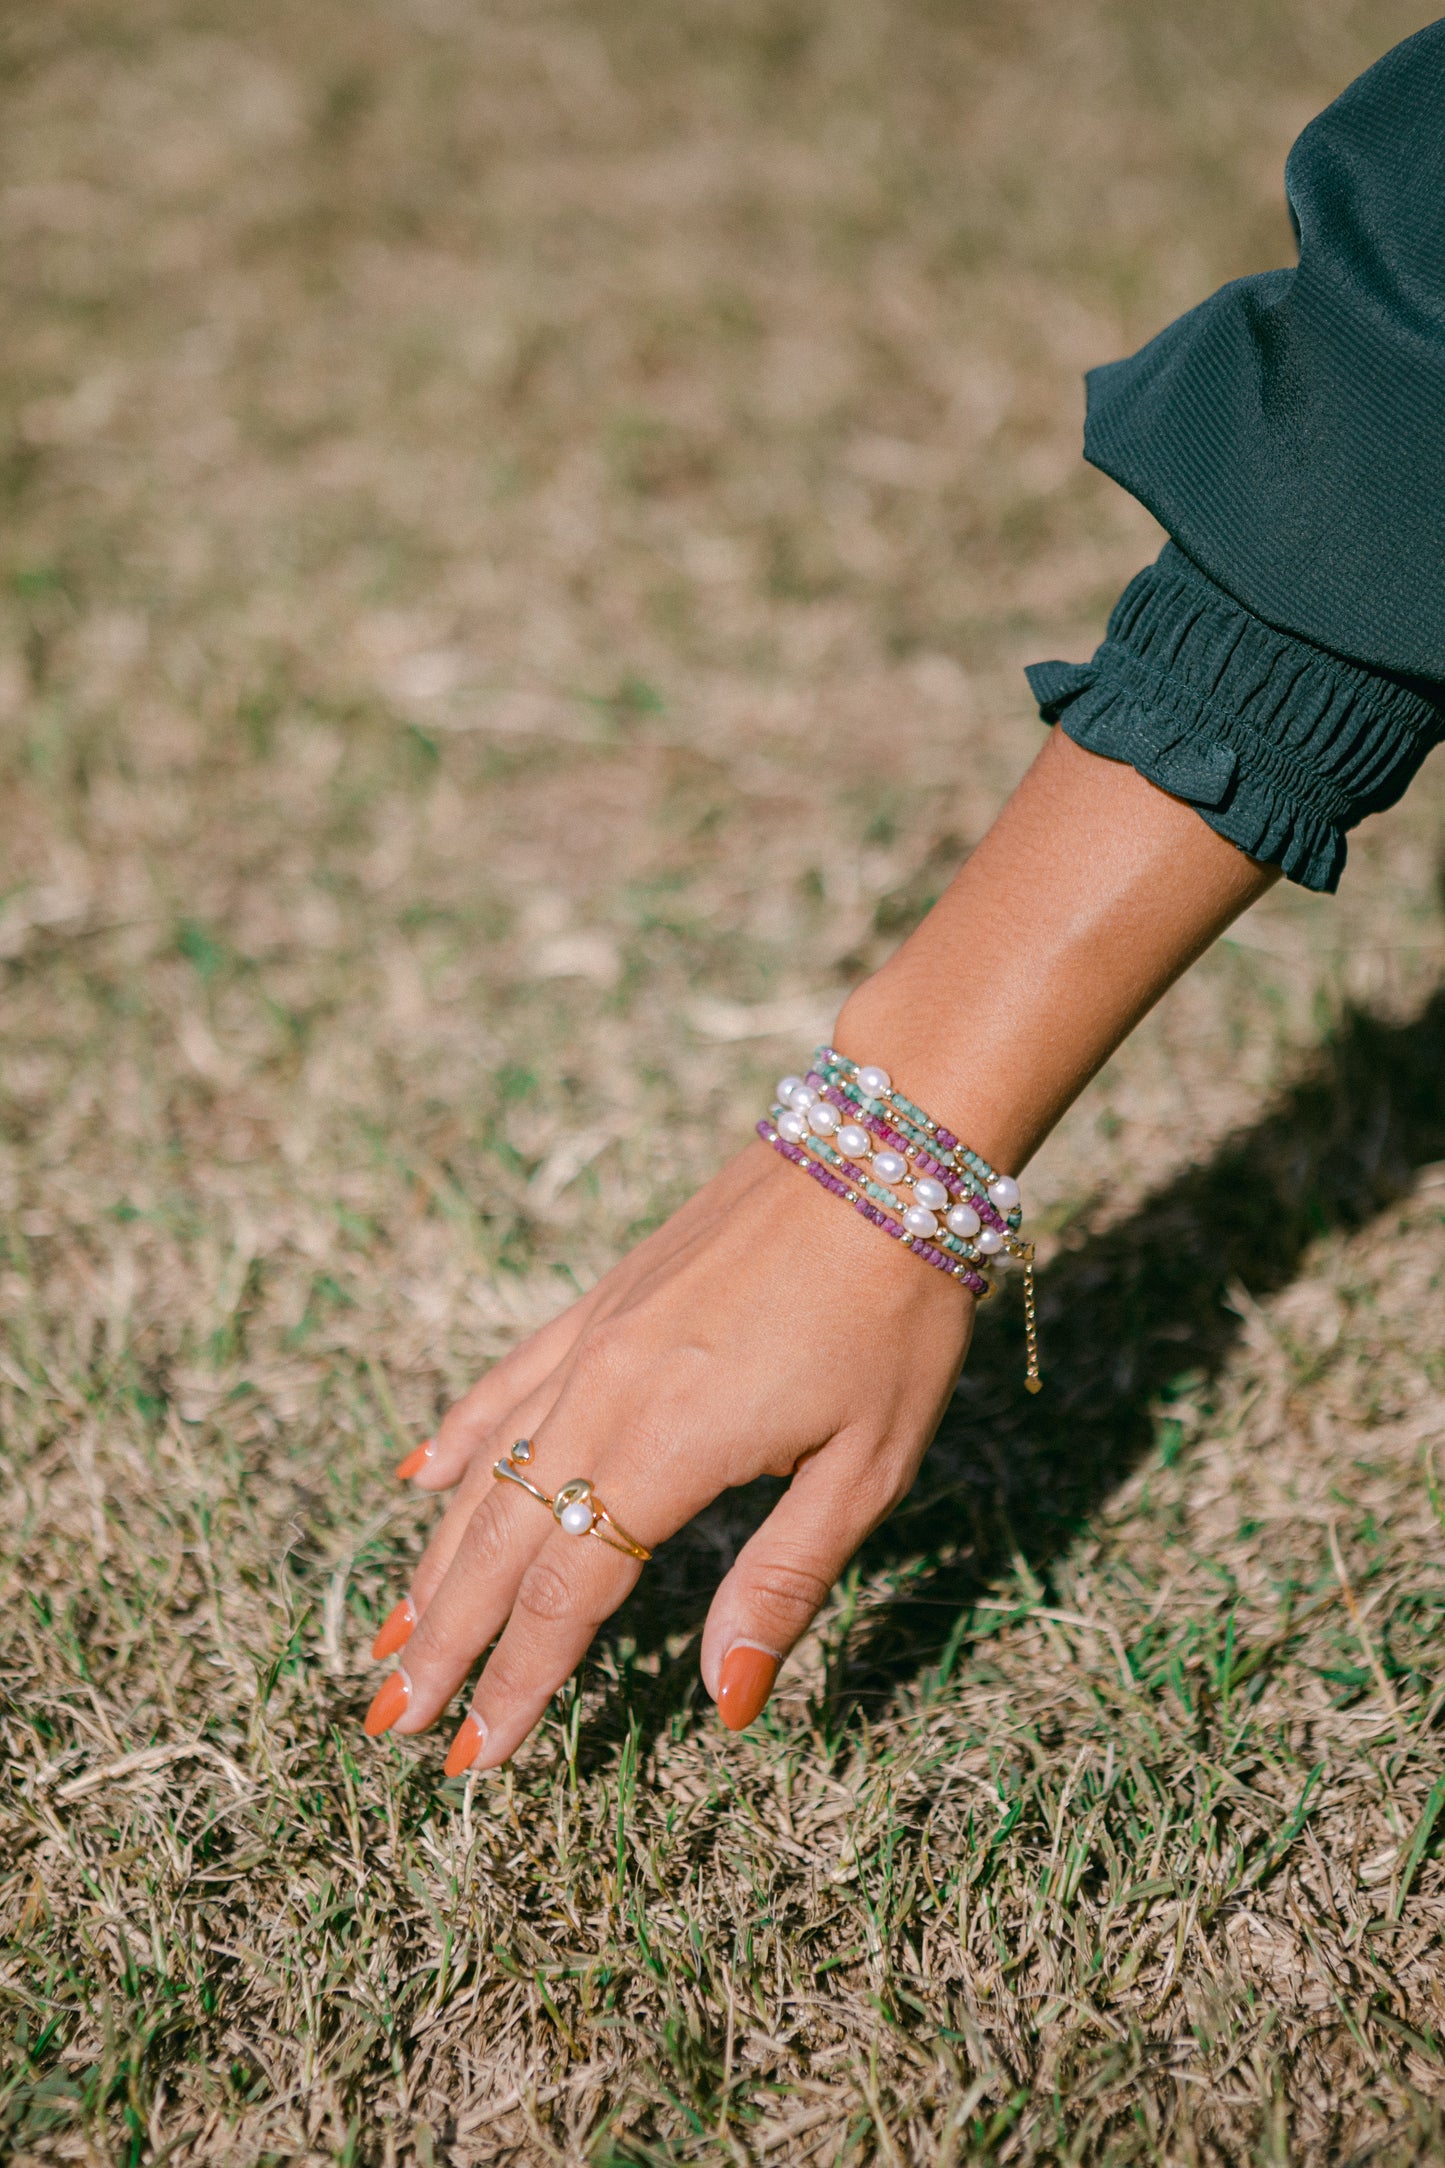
940	1259
978	1197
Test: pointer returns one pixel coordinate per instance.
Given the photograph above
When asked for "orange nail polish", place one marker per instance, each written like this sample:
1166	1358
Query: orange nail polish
391	1700
466	1746
416	1461
397	1629
745	1683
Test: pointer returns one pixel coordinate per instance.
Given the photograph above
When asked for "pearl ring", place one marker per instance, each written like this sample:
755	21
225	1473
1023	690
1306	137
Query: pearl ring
577	1509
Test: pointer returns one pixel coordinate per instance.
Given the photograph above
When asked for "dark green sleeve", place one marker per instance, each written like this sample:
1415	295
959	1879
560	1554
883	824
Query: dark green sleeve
1284	662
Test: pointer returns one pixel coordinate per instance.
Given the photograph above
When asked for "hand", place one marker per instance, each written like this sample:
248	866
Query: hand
764	1330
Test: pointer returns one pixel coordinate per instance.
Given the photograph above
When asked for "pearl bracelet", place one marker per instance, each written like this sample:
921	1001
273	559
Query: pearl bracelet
841	1187
846	1125
821	1150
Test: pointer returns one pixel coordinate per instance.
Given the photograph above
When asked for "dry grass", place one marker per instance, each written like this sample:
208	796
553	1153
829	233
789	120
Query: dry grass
520	527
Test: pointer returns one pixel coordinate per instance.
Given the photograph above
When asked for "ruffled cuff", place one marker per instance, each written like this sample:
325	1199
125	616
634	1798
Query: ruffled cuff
1279	745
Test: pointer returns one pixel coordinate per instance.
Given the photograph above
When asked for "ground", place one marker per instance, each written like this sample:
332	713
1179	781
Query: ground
522	524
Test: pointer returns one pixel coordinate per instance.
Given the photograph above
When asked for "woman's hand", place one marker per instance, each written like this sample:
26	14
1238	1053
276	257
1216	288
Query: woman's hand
764	1330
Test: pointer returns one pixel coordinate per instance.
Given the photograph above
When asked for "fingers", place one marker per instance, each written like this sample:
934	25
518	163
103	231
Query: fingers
501	1536
513	1568
513	1571
474	1491
563	1597
784	1573
501	1567
510	1572
476	1487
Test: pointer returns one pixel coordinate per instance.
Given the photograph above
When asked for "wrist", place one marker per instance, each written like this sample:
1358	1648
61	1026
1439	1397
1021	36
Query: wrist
940	1054
858	1132
1087	898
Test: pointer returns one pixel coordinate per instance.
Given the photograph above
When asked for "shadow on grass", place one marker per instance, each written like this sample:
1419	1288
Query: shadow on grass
1126	1318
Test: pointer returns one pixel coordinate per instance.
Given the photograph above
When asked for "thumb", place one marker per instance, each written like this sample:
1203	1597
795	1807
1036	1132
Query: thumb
783	1575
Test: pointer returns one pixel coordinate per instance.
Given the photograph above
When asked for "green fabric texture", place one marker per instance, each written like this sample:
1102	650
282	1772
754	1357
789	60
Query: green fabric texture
1279	745
1290	435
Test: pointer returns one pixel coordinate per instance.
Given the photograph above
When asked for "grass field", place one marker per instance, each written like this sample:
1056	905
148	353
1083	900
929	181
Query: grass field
521	525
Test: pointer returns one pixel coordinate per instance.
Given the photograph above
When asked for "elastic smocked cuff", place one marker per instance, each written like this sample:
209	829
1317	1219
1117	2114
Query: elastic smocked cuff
1279	745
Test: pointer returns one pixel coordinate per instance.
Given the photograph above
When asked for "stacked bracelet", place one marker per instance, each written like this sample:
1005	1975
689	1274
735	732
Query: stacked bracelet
846	1126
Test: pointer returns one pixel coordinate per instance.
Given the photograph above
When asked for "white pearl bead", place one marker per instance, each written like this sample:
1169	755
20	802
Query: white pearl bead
963	1220
787	1085
873	1082
793	1126
854	1141
920	1221
576	1518
889	1166
990	1241
1004	1192
929	1192
823	1119
801	1097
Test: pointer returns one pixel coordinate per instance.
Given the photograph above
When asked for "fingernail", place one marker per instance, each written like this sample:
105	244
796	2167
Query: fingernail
391	1700
744	1684
415	1462
397	1629
466	1746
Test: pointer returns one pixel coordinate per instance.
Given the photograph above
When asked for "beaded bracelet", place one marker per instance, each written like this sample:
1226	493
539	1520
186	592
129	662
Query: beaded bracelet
818	1149
846	1126
954	1239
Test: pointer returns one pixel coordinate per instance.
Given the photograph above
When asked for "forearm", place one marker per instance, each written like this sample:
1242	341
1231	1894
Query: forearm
1088	897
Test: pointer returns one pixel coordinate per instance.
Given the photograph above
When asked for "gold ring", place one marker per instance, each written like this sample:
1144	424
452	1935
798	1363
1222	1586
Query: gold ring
577	1509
